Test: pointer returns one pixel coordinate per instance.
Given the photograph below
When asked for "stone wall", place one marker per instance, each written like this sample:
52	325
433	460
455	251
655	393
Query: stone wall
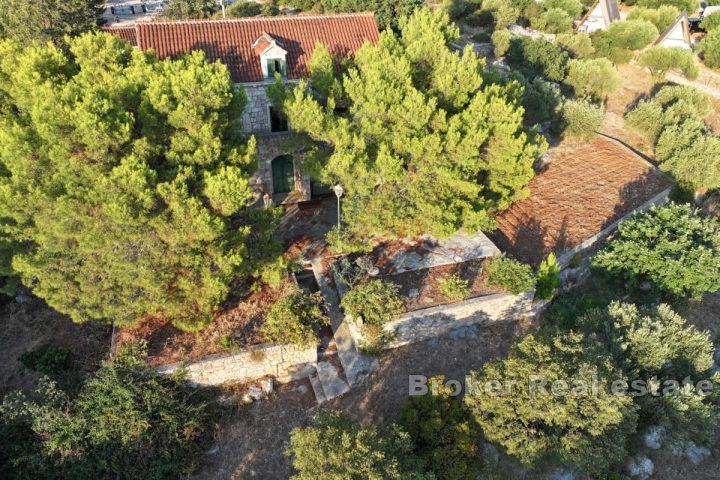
256	121
432	322
284	362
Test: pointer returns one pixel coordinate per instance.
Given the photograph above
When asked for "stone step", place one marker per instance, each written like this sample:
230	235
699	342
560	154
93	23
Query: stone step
332	385
317	388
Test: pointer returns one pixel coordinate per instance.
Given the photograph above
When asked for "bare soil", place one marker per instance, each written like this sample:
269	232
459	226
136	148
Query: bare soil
26	327
241	320
425	284
252	442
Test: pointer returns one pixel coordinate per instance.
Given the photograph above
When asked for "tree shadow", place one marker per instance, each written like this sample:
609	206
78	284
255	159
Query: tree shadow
531	241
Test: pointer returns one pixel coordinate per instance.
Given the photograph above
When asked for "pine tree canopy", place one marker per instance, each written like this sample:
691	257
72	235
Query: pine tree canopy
425	146
125	181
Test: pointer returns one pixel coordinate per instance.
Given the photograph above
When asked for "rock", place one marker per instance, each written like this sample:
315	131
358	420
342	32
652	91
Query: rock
693	452
255	392
645	286
246	399
640	467
302	389
428	300
213	450
226	400
458	333
655	436
267	385
414	293
562	474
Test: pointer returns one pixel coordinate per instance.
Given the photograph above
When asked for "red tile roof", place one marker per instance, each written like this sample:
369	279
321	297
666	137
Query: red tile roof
231	40
126	33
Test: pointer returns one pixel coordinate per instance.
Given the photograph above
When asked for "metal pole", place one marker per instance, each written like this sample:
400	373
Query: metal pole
222	6
339	226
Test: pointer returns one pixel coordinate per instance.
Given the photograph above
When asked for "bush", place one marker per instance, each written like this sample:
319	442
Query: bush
661	17
510	275
548	278
377	302
681	5
593	78
454	287
656	343
578	45
46	360
542	101
250	9
501	41
690	154
589	431
581	118
229	343
127	422
632	34
503	12
346	242
711	22
537	57
671	105
661	59
443	432
671	245
709	48
296	319
572	7
336	447
554	20
603	45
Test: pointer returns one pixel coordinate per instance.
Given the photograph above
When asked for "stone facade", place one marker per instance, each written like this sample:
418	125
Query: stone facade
270	145
283	362
432	322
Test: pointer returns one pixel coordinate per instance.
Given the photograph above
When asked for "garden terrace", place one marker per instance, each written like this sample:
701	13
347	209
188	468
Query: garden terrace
581	190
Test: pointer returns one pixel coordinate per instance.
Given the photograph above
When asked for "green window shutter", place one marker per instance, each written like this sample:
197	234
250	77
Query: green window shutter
282	67
270	68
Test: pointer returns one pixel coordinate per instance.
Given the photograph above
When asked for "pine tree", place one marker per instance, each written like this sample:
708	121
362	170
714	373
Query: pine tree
125	181
426	146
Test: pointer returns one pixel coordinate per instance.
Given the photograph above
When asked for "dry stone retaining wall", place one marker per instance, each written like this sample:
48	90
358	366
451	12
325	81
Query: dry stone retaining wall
284	362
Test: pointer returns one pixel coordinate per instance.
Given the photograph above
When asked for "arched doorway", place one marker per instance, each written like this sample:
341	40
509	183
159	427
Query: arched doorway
283	174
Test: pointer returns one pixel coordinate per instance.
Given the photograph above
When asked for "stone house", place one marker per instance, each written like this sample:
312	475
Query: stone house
254	50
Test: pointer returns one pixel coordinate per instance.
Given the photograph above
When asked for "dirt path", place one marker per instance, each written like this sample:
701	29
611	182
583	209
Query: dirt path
252	441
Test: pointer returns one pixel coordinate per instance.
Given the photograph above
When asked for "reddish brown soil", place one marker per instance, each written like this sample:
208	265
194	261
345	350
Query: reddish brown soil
579	191
241	320
426	283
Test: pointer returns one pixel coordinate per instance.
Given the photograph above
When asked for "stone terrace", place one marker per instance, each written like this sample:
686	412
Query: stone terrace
582	189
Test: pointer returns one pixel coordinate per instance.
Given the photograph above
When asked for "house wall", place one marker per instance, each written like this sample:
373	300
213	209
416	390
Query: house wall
676	38
256	121
594	21
283	362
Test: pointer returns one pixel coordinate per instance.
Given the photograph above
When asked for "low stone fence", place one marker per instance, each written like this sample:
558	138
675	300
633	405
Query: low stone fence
432	322
284	362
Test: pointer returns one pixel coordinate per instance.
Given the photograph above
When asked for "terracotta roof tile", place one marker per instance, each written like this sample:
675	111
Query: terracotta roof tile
231	40
126	33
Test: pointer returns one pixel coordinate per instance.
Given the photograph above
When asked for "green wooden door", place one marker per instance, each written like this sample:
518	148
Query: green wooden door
283	174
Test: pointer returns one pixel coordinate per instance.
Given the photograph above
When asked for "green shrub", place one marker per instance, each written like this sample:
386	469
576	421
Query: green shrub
377	302
501	41
589	431
690	154
672	245
711	22
443	432
632	34
335	447
653	342
296	318
229	343
503	12
579	45
537	57
127	422
510	275
572	7
542	101
454	287
345	242
593	78
554	20
482	37
47	360
548	278
249	9
660	60
661	17
709	48
581	118
681	5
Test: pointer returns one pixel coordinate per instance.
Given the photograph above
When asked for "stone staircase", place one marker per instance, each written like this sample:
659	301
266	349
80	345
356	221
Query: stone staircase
327	383
355	365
